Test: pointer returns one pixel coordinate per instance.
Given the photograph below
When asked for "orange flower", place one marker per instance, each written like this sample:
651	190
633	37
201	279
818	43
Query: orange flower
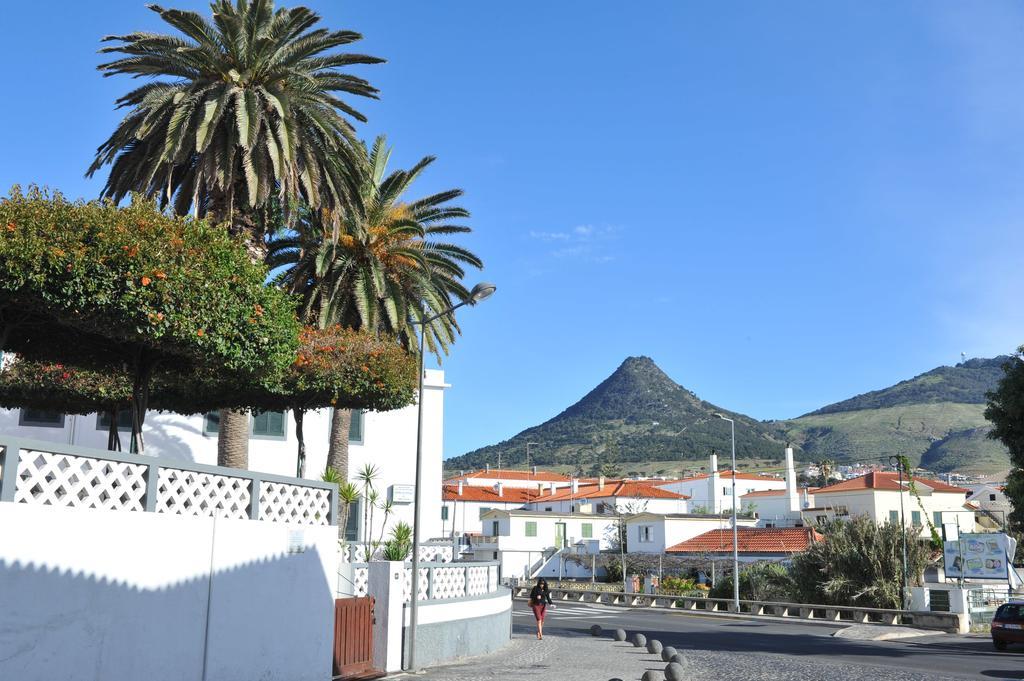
160	275
10	227
146	281
200	332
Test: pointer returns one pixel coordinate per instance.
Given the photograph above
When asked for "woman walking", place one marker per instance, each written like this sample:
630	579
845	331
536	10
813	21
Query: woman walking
540	599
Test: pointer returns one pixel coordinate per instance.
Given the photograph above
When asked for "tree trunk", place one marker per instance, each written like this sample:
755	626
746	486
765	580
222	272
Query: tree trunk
300	462
337	453
233	439
113	436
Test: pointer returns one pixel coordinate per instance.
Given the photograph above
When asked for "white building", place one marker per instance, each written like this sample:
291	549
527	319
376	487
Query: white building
654	532
525	540
385	440
878	495
712	492
611	496
993	506
464	505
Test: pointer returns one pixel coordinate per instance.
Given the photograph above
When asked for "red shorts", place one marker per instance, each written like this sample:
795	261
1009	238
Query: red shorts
538	611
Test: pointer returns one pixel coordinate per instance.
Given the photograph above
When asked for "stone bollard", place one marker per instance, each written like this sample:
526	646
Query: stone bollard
674	672
667	653
639	640
651	675
596	630
678	659
620	635
654	647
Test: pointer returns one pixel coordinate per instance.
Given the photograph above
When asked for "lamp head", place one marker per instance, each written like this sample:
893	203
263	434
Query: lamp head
718	415
481	291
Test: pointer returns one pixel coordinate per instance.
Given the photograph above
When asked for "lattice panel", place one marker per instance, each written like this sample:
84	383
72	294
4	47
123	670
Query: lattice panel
424	582
79	481
183	492
360	581
284	503
449	582
436	554
492	578
477	580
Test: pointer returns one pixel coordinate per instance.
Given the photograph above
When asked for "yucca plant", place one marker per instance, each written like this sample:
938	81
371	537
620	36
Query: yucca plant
399	544
243	108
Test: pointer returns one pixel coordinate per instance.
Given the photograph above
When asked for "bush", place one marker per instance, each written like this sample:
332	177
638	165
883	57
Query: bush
859	563
399	545
758	582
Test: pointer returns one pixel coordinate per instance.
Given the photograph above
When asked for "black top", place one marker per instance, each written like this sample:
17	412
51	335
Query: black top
540	595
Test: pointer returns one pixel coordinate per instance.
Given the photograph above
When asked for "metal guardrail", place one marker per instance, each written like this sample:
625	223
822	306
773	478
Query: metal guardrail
50	473
944	621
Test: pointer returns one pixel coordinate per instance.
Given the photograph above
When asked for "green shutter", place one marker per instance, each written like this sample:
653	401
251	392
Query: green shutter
355	426
915	518
444	513
211	423
588	530
894	516
531	528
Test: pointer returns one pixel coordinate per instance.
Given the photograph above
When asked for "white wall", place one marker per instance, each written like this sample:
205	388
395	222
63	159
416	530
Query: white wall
464	516
880	504
97	595
667	532
709	492
389	443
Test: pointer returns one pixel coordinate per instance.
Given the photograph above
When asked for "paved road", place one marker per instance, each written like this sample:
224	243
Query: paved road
938	656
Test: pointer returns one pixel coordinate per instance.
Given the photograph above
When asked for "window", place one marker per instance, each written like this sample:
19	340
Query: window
124	420
842	510
355	427
211	423
769	525
894	516
991	497
587	530
495	528
937	519
484	509
646	533
495	556
531	528
727	491
822	519
41	418
352	525
915	518
268	425
444	513
547	509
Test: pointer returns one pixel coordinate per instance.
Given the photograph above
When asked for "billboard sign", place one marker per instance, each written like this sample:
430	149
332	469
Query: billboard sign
977	556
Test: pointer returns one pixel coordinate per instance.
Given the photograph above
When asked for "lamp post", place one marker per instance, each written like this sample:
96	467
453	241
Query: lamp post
898	462
480	292
735	530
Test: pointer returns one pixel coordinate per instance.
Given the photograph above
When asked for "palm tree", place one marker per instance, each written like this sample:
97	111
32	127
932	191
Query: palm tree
378	265
242	110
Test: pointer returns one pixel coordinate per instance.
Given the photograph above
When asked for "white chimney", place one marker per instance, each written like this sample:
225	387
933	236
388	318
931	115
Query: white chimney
540	489
551	487
461	483
534	469
575	486
807	499
792	495
487	467
600	483
501	489
714	487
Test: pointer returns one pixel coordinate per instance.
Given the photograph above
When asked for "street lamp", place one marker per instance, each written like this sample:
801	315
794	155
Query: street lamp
898	462
735	530
480	292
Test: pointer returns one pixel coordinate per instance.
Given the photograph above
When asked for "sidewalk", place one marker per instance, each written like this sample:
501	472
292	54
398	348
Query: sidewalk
577	657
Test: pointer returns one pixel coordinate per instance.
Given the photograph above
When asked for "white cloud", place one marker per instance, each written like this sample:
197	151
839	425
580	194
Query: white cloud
585	243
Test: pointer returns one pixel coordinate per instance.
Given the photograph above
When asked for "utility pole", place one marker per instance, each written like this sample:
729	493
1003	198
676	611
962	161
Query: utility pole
898	462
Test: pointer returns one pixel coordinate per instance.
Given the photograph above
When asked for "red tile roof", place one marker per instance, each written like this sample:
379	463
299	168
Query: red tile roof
750	540
506	474
613	488
889	481
510	495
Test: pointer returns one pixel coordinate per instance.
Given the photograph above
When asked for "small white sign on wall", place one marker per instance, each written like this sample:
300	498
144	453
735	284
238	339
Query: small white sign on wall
296	541
403	494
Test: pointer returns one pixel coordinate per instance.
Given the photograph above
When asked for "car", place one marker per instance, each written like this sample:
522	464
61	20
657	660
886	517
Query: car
1008	625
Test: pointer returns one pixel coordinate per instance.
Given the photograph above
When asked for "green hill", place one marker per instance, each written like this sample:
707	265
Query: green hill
640	415
637	414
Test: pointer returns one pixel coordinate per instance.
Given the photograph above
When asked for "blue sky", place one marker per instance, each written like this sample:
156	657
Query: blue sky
783	204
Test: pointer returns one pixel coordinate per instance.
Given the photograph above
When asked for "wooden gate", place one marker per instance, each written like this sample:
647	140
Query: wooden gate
353	638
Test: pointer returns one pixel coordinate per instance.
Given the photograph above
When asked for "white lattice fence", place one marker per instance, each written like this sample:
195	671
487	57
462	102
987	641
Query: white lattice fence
477	580
184	492
360	581
436	553
67	480
449	582
285	503
492	578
